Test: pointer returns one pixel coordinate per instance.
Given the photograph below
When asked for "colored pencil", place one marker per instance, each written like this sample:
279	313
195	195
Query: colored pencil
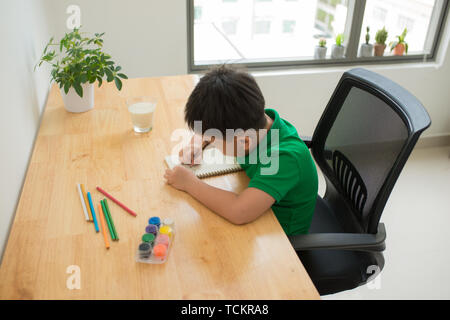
105	213
102	223
83	204
92	211
116	236
86	201
117	201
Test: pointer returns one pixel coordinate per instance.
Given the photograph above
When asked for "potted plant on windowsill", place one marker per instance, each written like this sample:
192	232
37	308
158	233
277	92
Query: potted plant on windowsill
400	47
338	49
366	48
77	62
380	39
321	50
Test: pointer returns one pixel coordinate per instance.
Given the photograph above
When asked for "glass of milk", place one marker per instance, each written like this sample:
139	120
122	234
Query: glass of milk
141	110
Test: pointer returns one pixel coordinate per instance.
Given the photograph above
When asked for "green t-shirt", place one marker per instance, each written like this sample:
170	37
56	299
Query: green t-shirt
282	167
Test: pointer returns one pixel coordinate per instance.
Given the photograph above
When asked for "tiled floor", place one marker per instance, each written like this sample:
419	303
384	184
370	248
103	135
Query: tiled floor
417	220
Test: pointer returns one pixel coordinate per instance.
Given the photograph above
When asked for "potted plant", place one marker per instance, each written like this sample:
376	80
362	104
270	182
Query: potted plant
380	39
77	62
400	46
366	48
321	50
338	49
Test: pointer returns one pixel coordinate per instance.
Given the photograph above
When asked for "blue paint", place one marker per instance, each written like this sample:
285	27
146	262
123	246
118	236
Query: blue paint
155	220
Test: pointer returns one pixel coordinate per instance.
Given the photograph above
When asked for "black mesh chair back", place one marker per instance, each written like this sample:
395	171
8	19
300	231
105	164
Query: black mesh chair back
361	144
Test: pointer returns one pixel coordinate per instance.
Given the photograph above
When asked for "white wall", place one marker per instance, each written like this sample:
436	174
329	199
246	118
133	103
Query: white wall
23	93
146	37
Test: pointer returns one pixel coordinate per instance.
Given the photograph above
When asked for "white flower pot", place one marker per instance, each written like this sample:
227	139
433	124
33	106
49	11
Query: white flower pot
74	103
320	52
337	52
366	50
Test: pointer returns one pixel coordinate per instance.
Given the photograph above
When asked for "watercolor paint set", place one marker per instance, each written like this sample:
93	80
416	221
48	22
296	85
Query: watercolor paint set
156	241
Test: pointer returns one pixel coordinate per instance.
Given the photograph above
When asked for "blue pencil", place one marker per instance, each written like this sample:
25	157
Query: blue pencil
92	211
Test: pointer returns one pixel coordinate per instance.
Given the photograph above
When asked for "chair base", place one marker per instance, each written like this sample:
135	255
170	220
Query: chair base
334	271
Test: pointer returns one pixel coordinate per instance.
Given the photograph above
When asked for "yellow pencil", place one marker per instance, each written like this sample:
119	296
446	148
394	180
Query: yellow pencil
102	222
86	201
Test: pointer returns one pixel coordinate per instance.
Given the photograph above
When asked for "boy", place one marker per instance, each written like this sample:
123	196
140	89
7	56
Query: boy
281	171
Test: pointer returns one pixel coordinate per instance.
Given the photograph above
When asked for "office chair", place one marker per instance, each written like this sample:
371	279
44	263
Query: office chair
361	143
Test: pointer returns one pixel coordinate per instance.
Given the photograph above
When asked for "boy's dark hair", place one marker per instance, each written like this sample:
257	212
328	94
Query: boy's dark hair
226	99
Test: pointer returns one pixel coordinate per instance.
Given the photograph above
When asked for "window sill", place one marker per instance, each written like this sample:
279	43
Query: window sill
433	65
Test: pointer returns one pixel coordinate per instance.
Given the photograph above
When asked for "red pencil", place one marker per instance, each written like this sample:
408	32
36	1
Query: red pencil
117	201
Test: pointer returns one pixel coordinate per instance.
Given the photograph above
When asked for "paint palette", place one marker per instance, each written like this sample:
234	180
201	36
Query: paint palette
156	241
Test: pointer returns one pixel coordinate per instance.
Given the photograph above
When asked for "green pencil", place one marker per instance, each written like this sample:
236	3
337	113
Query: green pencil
110	218
105	212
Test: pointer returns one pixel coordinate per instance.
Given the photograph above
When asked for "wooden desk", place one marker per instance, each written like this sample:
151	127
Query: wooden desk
210	258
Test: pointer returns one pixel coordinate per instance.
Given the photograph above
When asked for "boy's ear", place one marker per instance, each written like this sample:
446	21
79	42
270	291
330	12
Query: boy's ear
244	141
247	142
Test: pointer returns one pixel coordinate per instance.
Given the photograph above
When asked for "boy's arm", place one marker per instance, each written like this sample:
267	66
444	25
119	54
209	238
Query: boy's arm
238	209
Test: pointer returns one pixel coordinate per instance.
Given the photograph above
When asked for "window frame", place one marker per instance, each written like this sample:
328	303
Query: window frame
356	16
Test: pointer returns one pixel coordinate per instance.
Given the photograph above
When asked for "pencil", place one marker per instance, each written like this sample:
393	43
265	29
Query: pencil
105	213
92	211
116	236
117	201
83	204
86	201
102	222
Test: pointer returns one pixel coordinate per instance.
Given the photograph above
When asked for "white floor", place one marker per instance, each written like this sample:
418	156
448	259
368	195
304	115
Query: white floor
417	220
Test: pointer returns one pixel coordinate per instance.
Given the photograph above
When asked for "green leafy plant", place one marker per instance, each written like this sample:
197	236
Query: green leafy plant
79	59
322	42
400	40
367	35
339	39
381	36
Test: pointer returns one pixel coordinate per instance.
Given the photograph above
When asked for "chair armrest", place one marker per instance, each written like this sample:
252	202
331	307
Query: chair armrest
307	141
341	241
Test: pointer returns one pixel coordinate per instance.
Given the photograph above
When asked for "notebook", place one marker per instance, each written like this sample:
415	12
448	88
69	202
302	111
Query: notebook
214	163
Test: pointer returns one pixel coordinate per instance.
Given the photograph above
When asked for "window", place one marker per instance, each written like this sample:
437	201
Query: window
261	27
405	22
289	26
197	13
229	27
379	14
285	33
396	15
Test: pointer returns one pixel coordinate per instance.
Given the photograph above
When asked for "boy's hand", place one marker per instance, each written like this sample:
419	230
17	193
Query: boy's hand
180	178
191	154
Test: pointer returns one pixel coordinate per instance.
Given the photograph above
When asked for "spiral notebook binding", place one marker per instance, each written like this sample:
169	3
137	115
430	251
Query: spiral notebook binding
173	161
218	172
